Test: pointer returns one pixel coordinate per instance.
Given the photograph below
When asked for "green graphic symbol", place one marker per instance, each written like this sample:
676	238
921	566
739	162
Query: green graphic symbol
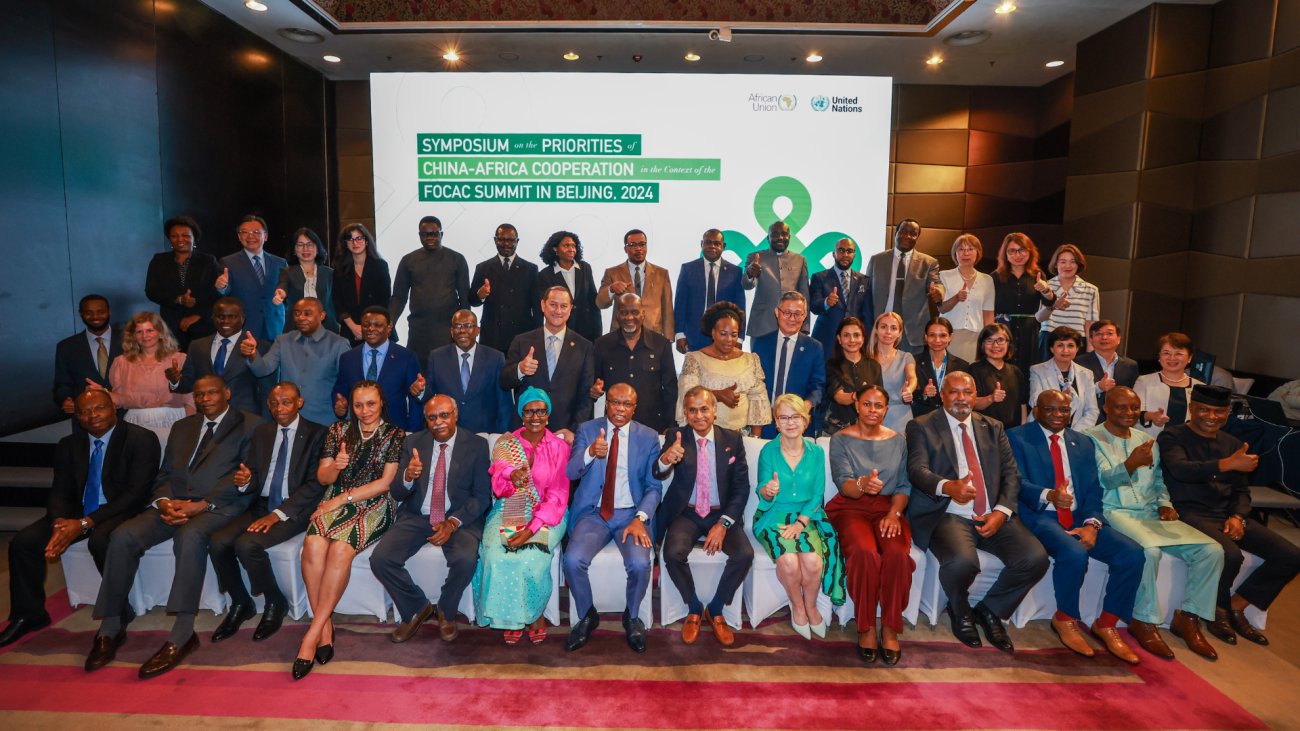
800	211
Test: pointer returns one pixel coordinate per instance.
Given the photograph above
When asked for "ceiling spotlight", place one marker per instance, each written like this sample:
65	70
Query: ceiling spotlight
451	56
255	5
570	56
1054	64
813	58
692	57
1005	8
332	59
934	61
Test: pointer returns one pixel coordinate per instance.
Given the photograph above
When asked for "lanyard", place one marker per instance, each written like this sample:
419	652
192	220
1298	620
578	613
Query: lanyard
938	372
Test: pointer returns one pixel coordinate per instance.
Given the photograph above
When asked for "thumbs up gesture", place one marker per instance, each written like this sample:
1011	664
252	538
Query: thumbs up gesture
599	448
871	484
936	293
930	390
772	487
998	394
340	406
597	389
174	373
1061	497
417	388
243	476
187	300
248	347
223	281
415	468
485	290
961	491
675	452
528	366
1106	383
964	293
1158	417
280	294
1239	461
341	461
834	297
753	269
1041	285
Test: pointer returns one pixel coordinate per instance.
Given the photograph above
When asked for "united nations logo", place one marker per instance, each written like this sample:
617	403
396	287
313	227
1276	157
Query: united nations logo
821	103
787	102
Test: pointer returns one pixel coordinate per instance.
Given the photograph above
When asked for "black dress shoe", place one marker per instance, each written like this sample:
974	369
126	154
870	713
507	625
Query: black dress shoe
868	654
21	627
635	629
325	653
963	628
168	658
238	614
993	628
1236	617
1221	627
581	631
272	618
104	650
891	657
301	668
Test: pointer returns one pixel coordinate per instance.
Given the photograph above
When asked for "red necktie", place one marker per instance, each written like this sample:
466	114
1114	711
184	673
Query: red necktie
438	489
1065	515
611	476
976	474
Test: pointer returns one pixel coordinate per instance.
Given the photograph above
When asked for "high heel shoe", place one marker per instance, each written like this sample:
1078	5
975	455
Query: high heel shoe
325	653
819	629
804	630
301	667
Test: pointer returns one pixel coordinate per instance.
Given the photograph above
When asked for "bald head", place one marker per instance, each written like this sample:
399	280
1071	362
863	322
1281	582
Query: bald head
620	404
440	414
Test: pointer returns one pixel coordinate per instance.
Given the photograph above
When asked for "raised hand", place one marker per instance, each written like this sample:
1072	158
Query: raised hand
936	292
1106	383
242	476
683	347
675	452
907	394
248	346
417	388
485	290
964	293
1041	285
961	491
1158	417
69	406
341	461
355	328
279	297
187	300
566	435
1061	303
728	396
174	373
930	390
753	269
415	468
528	366
597	389
1239	461
1061	497
871	484
1140	457
998	394
620	287
772	487
223	281
599	448
833	298
92	386
340	406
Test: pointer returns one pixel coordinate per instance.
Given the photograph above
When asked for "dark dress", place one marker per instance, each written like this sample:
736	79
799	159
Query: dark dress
165	281
350	300
585	317
1015	302
359	523
292	281
926	372
1013	382
848	377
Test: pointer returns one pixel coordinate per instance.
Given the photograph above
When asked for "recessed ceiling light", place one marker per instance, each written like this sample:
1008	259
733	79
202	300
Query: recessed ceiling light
332	59
299	35
255	5
1054	64
934	61
1005	8
570	56
692	57
451	56
813	58
967	38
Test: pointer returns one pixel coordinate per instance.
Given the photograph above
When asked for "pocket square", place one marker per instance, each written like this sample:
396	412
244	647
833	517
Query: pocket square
731	461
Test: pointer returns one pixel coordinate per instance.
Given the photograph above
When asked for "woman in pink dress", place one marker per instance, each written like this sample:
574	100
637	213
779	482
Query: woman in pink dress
138	377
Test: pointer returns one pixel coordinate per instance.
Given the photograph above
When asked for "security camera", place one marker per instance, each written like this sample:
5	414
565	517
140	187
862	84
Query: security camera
720	34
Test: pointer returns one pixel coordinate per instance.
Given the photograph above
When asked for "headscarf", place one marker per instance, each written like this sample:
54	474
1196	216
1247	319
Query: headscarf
533	394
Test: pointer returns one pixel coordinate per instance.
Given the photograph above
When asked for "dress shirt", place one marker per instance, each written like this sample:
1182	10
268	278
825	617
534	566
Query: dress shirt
570	276
893	271
460	358
967	510
710	448
539	357
107	435
309	283
94	346
379	363
1065	470
622	489
1109	368
632	269
712	270
203	428
252	258
430	467
789	358
283	487
230	349
506	261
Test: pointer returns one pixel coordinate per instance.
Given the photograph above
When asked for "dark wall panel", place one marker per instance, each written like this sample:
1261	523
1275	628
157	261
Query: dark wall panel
1114	56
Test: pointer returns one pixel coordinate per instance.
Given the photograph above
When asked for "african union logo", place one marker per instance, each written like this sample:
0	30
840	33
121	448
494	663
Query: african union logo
821	103
787	102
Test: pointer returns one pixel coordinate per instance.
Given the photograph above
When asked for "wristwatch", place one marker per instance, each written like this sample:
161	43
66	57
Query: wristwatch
348	495
727	522
1093	522
642	515
85	527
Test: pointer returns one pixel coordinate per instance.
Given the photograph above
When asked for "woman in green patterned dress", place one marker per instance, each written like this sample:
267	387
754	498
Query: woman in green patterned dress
357	465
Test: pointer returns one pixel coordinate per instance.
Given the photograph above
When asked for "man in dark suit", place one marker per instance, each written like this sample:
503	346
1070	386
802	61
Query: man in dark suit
512	305
250	276
792	361
840	292
701	283
557	360
905	281
1109	368
964	490
218	355
379	359
102	476
281	470
86	355
641	358
445	492
470	373
713	509
1060	503
774	272
194	496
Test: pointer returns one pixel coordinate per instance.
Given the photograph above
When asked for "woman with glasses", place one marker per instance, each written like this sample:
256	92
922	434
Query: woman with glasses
182	282
1061	373
897	369
1019	291
308	275
971	305
1000	387
734	376
1165	393
361	280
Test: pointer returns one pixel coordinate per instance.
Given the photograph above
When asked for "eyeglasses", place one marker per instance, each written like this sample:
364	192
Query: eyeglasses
846	251
789	419
996	341
790	313
357	240
622	404
635	245
463	326
969	249
304	245
443	416
430	234
258	232
1016	251
535	412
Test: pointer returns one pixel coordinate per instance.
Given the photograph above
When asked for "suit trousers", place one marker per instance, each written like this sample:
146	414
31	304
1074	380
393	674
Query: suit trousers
879	570
586	539
954	542
27	567
1281	560
409	533
684	531
1122	555
144	531
233	546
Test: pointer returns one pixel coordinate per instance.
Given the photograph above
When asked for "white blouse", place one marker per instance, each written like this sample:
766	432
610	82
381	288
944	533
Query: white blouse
968	315
1154	393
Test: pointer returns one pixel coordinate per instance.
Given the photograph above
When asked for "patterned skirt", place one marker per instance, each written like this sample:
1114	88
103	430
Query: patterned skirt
512	588
358	523
819	538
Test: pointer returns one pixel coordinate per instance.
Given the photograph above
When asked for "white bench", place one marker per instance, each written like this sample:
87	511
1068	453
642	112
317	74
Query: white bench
152	584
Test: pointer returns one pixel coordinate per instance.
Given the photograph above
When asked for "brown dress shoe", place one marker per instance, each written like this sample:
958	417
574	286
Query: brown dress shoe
1188	627
1071	637
1237	618
1109	637
168	658
1221	627
720	628
406	631
1148	636
104	650
447	629
691	629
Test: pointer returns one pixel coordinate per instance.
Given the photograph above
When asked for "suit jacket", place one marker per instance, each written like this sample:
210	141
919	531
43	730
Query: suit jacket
293	282
162	285
932	458
74	363
692	288
399	371
305	490
514	304
642	453
131	460
585	318
921	271
247	391
650	370
1045	377
732	470
1034	458
484	407
1126	373
570	389
785	273
656	297
263	318
807	375
469	486
376	290
856	302
925	372
212	475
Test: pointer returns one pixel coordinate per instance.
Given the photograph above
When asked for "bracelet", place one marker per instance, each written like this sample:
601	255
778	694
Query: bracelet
801	522
348	495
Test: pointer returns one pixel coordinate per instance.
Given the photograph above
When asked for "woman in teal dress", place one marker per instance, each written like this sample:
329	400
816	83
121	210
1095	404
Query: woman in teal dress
791	523
357	466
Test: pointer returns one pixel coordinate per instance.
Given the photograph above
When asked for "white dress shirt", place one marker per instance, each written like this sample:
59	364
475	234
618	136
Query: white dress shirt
570	276
622	487
309	282
430	468
963	468
283	487
893	272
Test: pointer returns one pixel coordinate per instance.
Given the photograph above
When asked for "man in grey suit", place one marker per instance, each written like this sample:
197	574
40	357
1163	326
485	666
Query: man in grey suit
902	280
775	272
194	496
307	356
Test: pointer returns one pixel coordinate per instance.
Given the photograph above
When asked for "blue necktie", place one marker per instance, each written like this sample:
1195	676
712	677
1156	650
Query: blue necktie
464	372
257	268
94	478
373	372
552	354
276	495
220	364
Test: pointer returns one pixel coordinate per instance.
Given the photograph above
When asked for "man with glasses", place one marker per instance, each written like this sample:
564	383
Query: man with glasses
905	281
701	283
506	287
840	292
641	358
792	361
774	272
469	373
250	276
643	279
437	281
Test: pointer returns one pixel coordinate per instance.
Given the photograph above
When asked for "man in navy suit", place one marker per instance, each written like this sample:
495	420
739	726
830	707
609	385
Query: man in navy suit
511	305
792	362
614	459
700	283
379	359
840	292
468	372
1060	503
86	355
251	276
219	355
1109	368
557	360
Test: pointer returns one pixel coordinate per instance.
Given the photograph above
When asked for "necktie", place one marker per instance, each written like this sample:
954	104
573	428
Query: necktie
780	371
220	364
203	443
552	354
373	371
101	357
844	289
464	372
702	479
1065	515
438	489
636	281
899	279
94	478
259	271
976	474
275	495
611	476
712	294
